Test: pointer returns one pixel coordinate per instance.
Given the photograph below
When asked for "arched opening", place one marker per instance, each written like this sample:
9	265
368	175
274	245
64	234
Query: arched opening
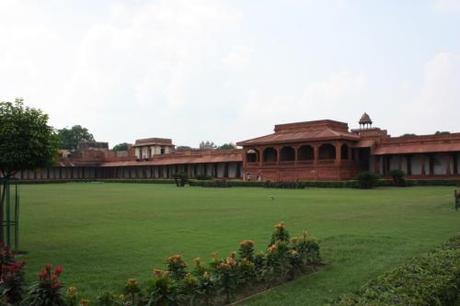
305	152
252	156
287	154
327	151
344	152
270	155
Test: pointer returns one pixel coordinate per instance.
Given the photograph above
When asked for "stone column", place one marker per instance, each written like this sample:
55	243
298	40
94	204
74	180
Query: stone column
278	152
338	153
261	155
455	172
449	163
316	154
409	164
431	163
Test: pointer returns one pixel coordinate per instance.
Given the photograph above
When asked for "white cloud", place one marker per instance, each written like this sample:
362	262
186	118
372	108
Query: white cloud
344	94
141	65
438	103
447	5
238	57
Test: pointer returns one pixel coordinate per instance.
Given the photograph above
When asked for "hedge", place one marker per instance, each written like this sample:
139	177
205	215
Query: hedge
62	181
241	183
318	184
431	279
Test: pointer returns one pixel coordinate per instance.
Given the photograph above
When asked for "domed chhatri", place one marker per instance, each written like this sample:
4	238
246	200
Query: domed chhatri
365	121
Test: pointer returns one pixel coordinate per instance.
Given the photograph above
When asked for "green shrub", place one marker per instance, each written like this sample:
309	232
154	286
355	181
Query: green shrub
48	290
212	183
366	180
11	277
181	179
431	279
398	177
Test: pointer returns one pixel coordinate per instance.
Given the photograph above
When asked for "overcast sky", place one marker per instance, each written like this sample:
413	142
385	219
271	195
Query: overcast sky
228	70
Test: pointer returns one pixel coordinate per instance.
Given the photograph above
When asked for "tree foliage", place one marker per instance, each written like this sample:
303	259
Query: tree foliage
26	139
69	139
207	145
121	147
183	148
227	146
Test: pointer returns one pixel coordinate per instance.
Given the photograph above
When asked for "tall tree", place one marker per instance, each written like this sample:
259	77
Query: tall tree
121	147
27	142
69	139
207	145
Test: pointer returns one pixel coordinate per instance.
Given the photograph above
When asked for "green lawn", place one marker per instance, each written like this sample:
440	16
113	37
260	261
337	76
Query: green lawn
106	233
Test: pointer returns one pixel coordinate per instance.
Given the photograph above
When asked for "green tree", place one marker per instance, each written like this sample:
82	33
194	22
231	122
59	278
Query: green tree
27	142
69	139
183	148
207	145
227	146
121	147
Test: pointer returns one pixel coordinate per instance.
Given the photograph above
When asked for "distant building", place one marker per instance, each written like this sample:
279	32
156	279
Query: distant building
312	150
150	147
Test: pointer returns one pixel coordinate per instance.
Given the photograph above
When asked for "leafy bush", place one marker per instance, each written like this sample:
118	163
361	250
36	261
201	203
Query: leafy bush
11	277
398	177
181	179
47	291
432	279
366	180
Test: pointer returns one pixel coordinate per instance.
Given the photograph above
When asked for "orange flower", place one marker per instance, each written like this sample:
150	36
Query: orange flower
160	273
84	302
279	226
272	248
247	243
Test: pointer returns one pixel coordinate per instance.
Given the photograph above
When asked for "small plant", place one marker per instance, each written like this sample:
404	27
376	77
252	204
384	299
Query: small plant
84	302
280	233
71	296
207	288
181	179
176	267
11	276
47	291
246	250
366	180
132	290
307	247
398	178
108	299
164	291
226	272
189	288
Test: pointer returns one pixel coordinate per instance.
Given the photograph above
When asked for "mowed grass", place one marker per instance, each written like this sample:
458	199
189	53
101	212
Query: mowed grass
106	233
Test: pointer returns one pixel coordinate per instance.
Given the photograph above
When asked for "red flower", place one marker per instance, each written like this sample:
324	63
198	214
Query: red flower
58	270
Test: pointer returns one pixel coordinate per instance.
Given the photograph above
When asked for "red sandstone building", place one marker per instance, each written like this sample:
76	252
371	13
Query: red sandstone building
312	150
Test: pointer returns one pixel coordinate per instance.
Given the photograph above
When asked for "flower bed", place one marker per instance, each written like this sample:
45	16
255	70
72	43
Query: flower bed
222	281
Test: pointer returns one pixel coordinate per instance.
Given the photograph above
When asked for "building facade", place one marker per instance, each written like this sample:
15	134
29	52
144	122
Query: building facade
312	150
